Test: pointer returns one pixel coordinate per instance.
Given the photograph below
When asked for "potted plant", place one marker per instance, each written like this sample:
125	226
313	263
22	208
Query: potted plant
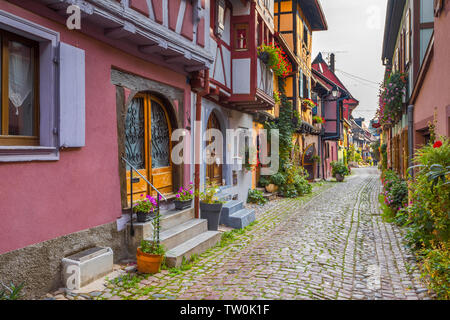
275	58
308	103
184	197
318	120
145	208
276	181
339	171
210	207
150	254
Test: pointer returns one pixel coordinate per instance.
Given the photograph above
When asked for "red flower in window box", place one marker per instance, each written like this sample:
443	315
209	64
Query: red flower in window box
437	144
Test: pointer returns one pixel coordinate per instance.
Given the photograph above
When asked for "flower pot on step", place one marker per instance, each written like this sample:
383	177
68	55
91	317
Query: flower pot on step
143	217
271	188
181	205
211	212
339	177
148	263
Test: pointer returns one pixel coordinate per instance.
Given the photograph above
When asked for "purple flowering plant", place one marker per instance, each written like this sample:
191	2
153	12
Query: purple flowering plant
145	204
185	194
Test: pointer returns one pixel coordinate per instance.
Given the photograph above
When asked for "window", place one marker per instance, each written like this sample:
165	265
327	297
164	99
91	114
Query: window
305	87
19	115
220	17
305	35
408	38
241	37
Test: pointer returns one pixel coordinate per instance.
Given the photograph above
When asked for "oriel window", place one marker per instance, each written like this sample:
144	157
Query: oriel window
19	116
241	37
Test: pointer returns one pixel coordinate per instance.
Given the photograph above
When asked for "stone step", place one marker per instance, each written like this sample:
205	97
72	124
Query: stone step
178	234
270	196
195	245
229	208
173	218
241	218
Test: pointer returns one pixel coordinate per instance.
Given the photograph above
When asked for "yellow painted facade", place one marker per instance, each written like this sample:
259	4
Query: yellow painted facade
296	30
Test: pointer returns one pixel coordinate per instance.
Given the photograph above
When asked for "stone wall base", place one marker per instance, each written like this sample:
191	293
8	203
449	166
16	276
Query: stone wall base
39	266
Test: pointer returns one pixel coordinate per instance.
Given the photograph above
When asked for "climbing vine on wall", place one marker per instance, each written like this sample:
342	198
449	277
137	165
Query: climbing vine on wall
284	124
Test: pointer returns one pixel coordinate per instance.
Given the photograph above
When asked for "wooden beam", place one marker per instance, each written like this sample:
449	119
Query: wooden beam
120	32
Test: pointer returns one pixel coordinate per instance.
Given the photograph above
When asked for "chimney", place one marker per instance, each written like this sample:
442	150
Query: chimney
332	62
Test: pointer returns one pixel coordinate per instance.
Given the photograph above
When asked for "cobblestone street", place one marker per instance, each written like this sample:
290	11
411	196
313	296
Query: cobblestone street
332	244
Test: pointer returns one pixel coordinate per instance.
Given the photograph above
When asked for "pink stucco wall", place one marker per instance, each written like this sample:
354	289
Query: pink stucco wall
44	200
434	92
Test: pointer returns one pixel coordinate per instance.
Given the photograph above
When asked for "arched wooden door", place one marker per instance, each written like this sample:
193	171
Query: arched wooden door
148	145
308	161
213	171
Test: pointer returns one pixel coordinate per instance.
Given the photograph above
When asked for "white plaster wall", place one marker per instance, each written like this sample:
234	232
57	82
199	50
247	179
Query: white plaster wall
241	76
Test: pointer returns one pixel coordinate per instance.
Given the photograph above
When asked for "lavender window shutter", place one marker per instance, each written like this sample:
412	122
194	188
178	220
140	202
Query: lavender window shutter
71	96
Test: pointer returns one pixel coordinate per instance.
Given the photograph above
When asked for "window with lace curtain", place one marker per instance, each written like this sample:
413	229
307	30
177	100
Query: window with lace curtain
19	116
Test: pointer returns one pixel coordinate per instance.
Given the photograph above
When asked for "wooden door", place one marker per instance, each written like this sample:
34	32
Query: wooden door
308	162
148	146
161	147
213	171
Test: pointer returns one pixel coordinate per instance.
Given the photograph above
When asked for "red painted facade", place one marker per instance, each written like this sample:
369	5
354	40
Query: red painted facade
44	200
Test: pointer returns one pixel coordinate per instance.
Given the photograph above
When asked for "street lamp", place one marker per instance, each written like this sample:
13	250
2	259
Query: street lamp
334	92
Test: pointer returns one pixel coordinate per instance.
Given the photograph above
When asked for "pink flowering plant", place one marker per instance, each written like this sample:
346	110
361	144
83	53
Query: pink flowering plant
391	97
145	204
185	194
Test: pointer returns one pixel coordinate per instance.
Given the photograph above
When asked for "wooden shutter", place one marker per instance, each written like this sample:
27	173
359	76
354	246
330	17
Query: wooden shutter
71	96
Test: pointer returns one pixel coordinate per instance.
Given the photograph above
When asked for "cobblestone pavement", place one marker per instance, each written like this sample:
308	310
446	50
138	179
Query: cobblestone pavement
332	244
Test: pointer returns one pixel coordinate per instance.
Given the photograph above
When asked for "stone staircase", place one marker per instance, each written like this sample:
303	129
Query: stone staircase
234	215
181	234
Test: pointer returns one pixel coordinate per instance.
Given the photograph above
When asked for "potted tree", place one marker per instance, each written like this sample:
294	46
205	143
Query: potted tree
145	208
210	207
150	254
339	171
184	197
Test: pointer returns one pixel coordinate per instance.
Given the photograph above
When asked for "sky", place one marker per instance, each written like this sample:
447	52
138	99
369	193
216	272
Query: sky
355	33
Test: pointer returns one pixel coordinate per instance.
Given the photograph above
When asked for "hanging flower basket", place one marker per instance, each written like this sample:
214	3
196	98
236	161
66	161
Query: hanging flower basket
275	58
308	103
391	97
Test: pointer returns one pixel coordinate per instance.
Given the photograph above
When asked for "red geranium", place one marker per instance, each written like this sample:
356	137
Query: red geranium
437	144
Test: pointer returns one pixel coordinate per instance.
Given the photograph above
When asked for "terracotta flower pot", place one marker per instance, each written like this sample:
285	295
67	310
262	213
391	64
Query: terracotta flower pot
148	263
271	188
211	212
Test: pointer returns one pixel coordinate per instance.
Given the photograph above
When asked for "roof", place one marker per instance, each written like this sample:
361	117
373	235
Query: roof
312	9
322	70
393	19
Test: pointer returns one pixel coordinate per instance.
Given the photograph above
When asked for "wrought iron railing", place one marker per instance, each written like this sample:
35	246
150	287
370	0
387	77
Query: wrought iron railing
158	198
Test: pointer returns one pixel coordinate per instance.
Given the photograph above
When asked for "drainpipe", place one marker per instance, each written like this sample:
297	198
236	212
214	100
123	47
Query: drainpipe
198	142
411	137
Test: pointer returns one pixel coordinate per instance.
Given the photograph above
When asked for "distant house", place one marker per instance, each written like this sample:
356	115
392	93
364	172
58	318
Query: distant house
337	105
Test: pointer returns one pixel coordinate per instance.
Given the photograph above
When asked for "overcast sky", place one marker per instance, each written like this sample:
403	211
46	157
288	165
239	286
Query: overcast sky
355	33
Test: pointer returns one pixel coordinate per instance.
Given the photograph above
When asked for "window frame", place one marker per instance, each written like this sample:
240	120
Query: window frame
48	41
237	27
5	138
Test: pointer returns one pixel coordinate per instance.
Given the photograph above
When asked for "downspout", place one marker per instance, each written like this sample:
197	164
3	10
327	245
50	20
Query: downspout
198	142
411	137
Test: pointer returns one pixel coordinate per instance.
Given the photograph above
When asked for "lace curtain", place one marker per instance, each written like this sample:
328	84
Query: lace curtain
20	74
